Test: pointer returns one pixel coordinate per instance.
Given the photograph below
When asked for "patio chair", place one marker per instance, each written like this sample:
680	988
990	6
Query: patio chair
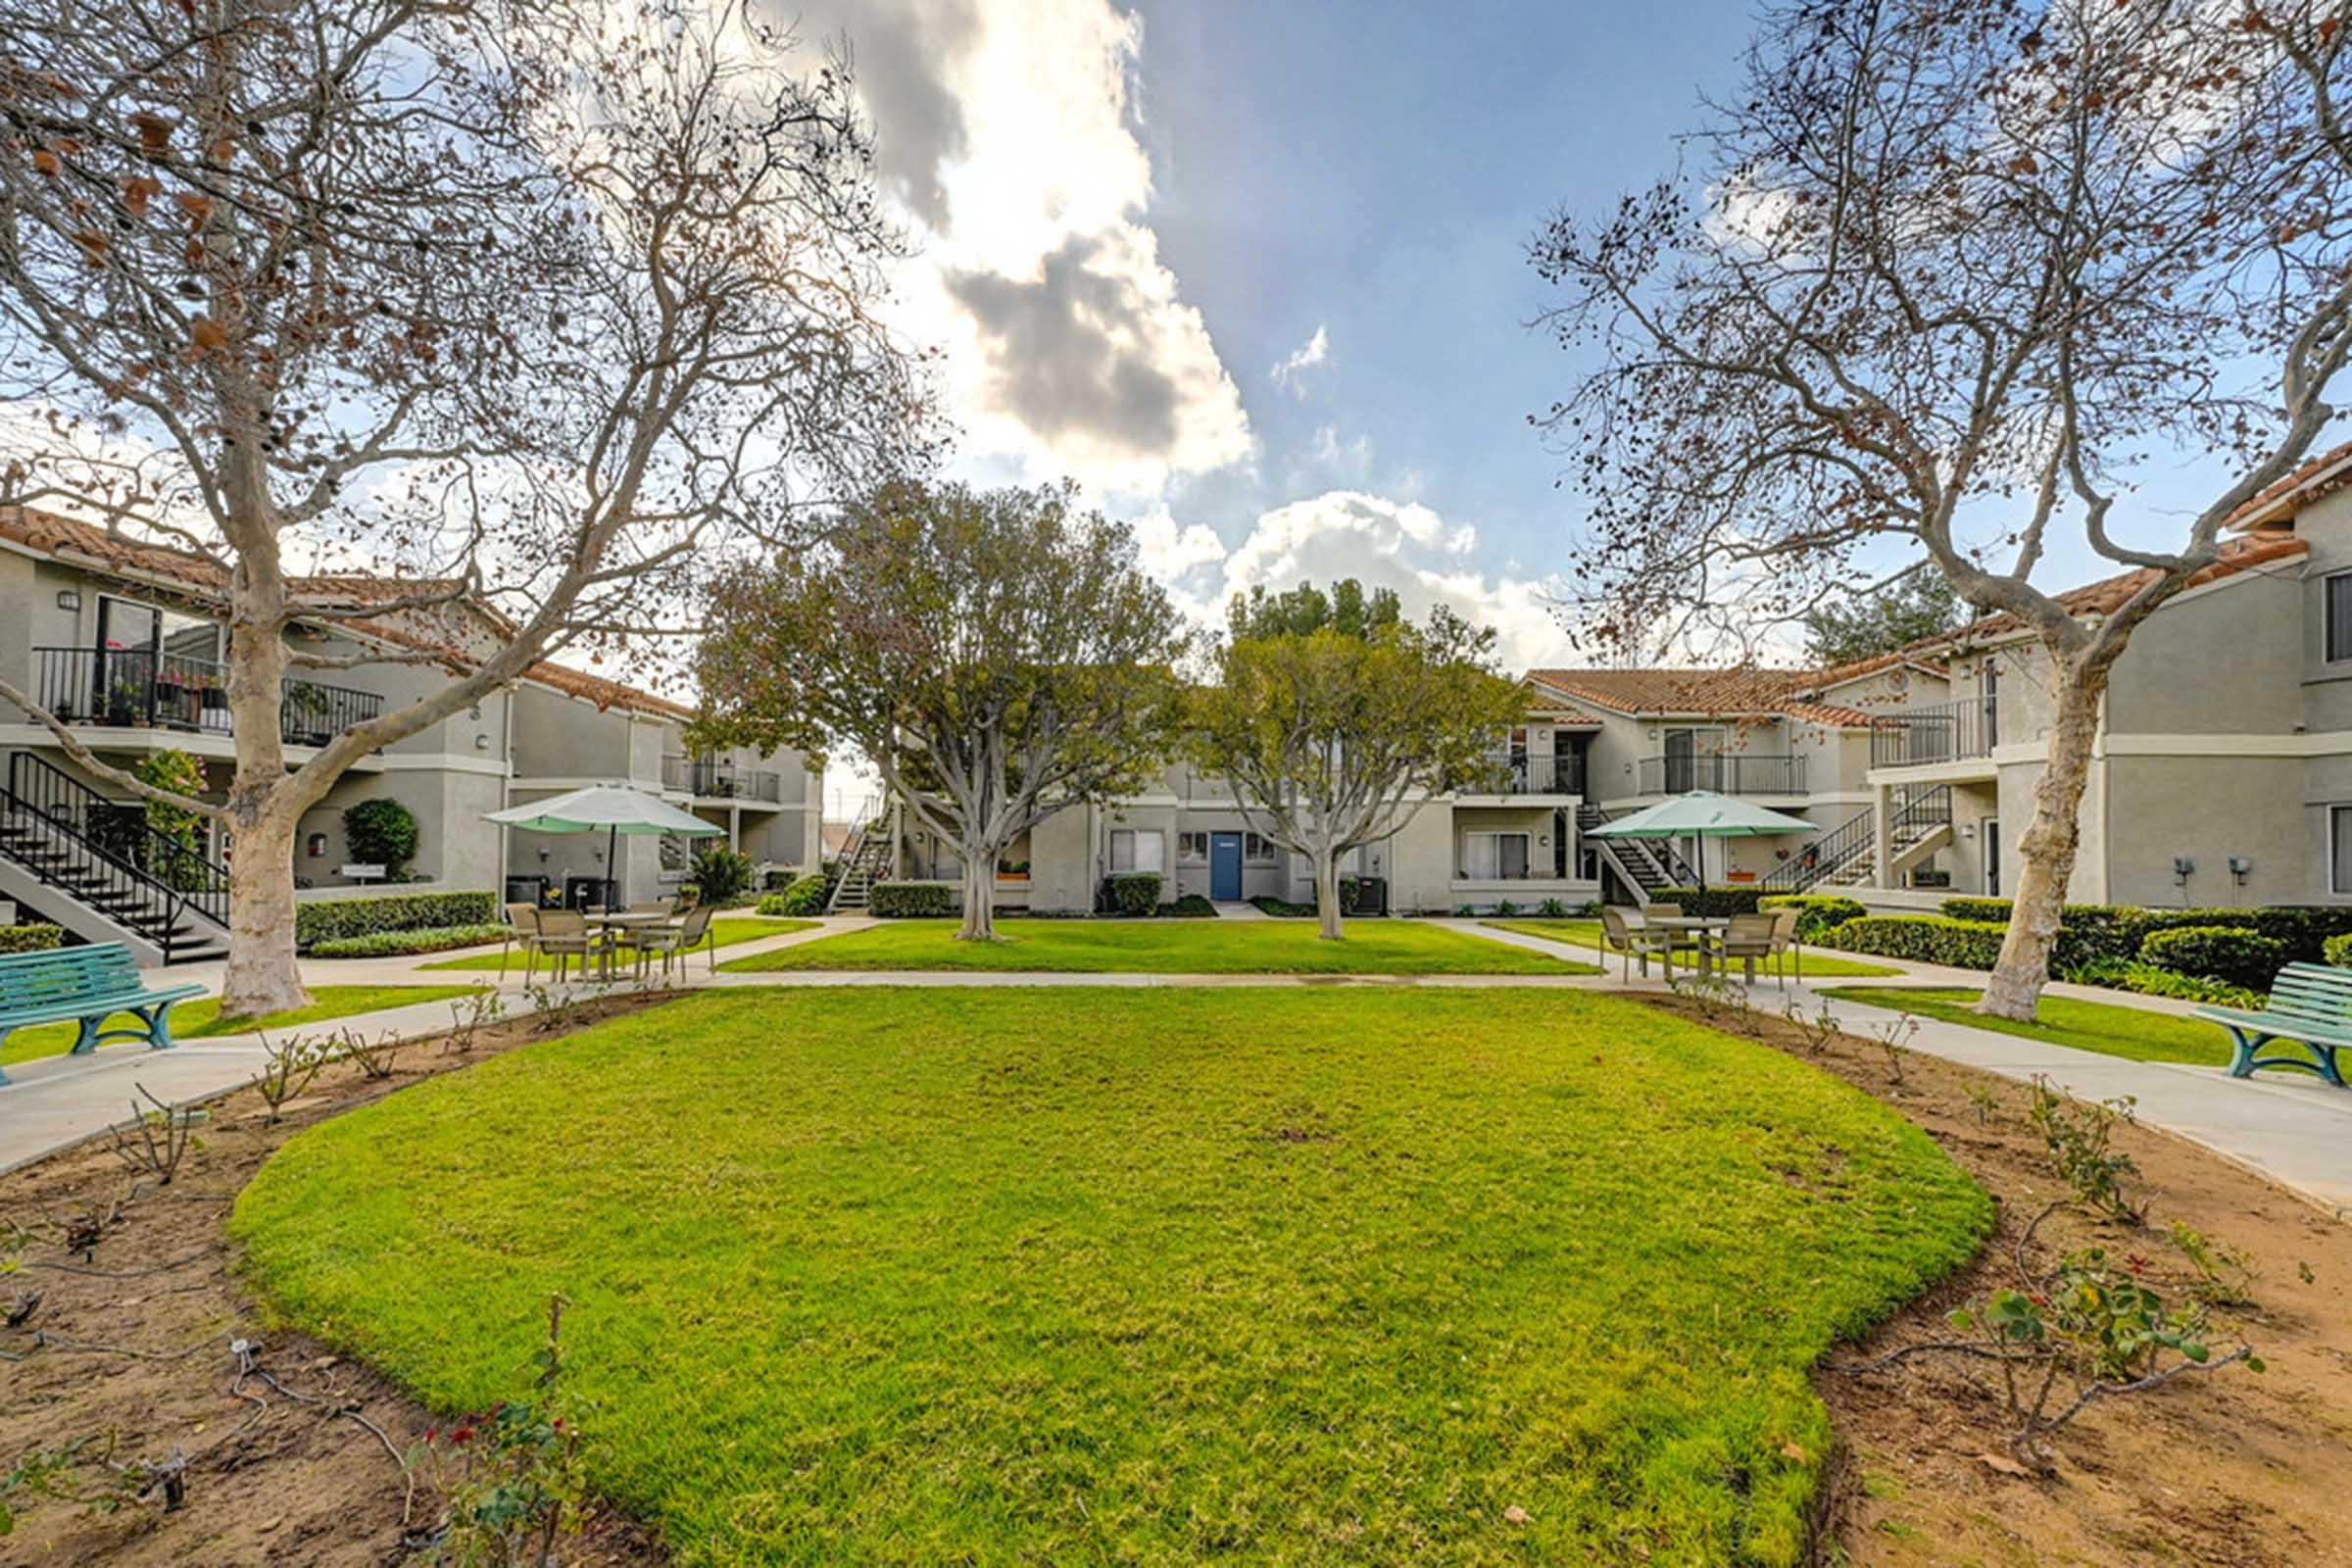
522	926
1633	943
670	941
1784	936
563	934
1687	943
1747	937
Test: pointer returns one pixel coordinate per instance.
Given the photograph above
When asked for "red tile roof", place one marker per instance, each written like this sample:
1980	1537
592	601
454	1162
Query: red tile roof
1746	690
2110	594
2323	474
72	539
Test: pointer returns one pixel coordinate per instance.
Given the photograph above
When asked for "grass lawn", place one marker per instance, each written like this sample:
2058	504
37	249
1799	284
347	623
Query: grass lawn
1167	946
1586	934
725	930
883	1276
2134	1033
198	1017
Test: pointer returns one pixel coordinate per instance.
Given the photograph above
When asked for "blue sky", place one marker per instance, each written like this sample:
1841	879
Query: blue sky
1130	213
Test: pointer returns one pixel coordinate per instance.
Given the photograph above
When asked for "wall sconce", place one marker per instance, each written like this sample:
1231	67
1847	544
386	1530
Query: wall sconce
68	599
542	855
1968	830
2240	868
481	743
2182	869
315	846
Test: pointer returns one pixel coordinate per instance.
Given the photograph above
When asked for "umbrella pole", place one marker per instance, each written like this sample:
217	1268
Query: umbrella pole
611	862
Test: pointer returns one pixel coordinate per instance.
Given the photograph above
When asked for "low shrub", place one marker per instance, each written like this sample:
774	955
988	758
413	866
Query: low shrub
1714	902
2130	974
805	896
390	944
1192	907
328	919
380	832
723	874
1964	907
1922	939
2231	955
1817	913
910	901
2337	950
1131	893
30	938
1285	909
2117	931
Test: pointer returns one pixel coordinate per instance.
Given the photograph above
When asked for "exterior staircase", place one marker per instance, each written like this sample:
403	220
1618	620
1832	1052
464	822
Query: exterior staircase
1647	867
864	863
1847	857
94	866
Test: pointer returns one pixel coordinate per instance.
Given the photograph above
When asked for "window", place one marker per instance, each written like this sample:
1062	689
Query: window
2339	617
1257	850
1132	850
1192	848
1495	857
2339	849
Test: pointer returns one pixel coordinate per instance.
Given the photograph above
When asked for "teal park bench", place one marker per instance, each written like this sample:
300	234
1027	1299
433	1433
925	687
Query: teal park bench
89	984
2311	1004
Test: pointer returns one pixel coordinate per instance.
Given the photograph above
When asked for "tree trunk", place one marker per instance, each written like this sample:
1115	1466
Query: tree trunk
1326	896
262	976
979	896
2049	847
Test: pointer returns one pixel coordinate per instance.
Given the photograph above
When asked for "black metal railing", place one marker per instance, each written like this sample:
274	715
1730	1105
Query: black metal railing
1940	732
1916	812
700	775
131	688
103	855
1665	862
1726	773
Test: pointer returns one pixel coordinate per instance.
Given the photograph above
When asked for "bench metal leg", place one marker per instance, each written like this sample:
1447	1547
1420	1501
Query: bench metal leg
2245	1061
86	1041
6	1029
159	1026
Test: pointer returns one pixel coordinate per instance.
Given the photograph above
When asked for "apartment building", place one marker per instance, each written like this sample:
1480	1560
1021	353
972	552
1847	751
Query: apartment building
125	642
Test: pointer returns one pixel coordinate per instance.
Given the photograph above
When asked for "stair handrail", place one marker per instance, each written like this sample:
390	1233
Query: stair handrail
862	835
1825	855
37	789
1670	867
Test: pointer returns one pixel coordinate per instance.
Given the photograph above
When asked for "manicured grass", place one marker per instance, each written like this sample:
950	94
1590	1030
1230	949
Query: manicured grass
1586	934
1017	1276
2137	1033
198	1018
724	931
1167	946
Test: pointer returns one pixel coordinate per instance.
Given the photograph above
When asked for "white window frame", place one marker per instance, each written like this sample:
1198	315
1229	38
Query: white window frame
1136	839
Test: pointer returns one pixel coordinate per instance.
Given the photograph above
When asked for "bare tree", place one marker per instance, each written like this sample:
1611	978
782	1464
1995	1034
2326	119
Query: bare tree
1946	273
1332	740
537	305
999	654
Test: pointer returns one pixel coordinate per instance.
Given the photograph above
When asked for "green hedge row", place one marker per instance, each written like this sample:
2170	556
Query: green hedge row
2338	951
1923	939
803	895
425	939
1714	904
2119	931
30	938
910	901
2121	974
1817	913
331	920
2232	954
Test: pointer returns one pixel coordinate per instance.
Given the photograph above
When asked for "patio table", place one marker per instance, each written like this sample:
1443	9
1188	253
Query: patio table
1700	925
623	920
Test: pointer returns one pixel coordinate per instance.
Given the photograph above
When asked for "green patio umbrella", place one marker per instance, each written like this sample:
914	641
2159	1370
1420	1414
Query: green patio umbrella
1703	814
614	807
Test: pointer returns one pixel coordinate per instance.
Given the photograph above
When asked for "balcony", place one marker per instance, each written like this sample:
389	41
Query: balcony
1728	774
714	780
1940	732
138	688
1522	774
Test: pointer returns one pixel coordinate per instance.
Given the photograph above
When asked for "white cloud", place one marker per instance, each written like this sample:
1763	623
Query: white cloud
1290	371
1351	459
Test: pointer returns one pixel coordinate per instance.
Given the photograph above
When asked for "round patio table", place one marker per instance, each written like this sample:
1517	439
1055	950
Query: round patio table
623	920
1697	924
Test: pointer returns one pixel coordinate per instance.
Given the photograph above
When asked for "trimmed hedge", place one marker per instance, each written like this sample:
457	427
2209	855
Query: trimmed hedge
2123	975
2338	951
2232	954
1714	903
803	895
1817	913
909	901
2118	931
1922	939
1131	893
329	920
430	939
30	938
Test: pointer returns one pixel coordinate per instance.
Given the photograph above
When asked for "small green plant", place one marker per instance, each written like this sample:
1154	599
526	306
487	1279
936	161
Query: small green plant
377	1058
511	1475
287	1071
1986	1100
722	873
1465	912
2225	1273
805	897
470	1015
1506	909
2080	1138
1553	908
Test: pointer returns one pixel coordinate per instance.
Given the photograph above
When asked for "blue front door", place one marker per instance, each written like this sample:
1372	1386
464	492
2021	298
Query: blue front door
1225	866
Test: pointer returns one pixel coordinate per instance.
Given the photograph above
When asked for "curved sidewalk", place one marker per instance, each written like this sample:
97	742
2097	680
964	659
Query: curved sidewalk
2293	1130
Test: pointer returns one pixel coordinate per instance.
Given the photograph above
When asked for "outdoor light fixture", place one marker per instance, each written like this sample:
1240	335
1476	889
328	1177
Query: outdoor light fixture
481	743
2240	868
2182	869
68	599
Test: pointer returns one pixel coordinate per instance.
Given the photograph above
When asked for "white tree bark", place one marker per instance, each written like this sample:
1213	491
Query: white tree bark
1327	894
979	894
2050	845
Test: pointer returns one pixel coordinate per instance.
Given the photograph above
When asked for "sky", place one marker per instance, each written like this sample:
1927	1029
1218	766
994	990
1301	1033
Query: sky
1256	275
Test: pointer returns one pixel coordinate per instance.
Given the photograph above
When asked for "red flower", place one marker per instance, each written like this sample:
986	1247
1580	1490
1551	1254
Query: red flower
460	1435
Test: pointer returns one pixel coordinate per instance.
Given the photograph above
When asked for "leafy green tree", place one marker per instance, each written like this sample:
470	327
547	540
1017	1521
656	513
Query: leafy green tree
999	654
382	832
1332	741
1923	604
179	843
1346	610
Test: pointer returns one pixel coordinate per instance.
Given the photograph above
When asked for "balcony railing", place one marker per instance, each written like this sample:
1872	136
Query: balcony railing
698	775
1941	732
1522	774
131	688
1730	773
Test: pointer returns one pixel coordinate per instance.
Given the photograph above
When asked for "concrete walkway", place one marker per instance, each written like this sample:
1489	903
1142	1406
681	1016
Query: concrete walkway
2294	1130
